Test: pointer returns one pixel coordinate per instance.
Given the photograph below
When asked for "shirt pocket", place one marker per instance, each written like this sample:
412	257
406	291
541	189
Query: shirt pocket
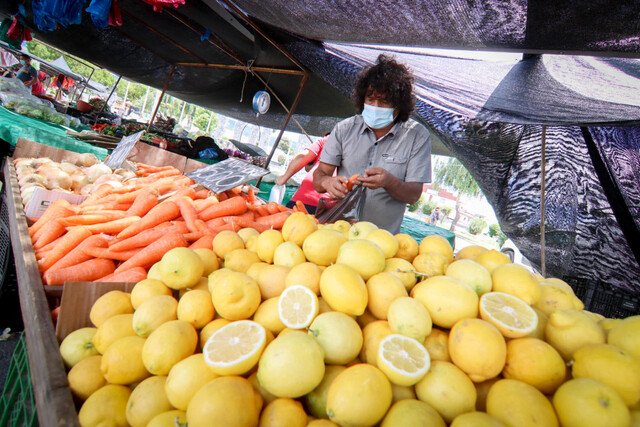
396	165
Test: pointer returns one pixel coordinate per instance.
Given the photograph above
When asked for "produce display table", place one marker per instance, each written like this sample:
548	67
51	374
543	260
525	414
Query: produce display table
420	229
14	126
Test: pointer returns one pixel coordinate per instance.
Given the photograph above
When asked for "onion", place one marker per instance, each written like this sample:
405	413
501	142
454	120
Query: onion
24	169
96	171
23	162
27	192
41	161
125	174
86	159
69	168
32	178
79	181
107	178
87	189
56	178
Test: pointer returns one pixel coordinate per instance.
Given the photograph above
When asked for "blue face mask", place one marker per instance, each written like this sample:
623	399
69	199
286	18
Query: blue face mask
23	62
377	117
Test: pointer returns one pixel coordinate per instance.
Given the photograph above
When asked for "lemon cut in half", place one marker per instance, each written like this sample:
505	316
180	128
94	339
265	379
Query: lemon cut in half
513	317
404	360
297	307
235	348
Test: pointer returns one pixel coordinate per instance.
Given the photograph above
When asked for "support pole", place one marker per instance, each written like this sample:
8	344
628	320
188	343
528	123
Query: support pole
209	122
543	162
164	89
86	83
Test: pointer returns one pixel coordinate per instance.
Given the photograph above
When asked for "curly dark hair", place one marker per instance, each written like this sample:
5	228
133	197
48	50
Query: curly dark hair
389	79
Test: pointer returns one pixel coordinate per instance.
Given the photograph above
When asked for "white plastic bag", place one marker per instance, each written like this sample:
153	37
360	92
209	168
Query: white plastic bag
277	193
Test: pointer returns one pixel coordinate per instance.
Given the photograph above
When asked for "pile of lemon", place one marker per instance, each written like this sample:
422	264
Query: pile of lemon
324	325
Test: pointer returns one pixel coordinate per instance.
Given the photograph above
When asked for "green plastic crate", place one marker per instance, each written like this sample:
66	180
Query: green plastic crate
17	404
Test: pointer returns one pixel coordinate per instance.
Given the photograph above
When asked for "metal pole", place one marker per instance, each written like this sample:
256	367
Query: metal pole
164	89
543	161
107	100
86	83
184	104
243	68
209	123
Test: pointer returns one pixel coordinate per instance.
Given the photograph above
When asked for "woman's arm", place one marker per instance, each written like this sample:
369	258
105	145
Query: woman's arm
297	163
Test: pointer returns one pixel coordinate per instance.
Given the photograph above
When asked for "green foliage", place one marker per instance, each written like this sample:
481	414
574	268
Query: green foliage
495	231
415	206
284	145
476	226
428	207
446	210
455	176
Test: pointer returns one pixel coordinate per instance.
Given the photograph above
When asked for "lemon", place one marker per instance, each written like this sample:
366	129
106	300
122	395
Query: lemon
372	335
225	242
108	305
321	247
535	362
209	260
519	404
264	394
557	282
482	390
339	336
477	348
436	244
305	274
106	407
383	289
360	395
431	264
401	392
343	289
216	276
153	313
169	419
437	344
288	254
470	252
154	272
297	307
447	299
472	274
363	320
240	260
297	227
447	389
225	401
78	345
412	413
317	399
267	243
611	366
185	378
513	317
181	268
569	330
476	419
595	316
409	317
492	259
255	270
272	280
235	348
404	360
342	226
202	285
209	329
556	298
147	289
361	229
267	316
292	365
538	332
385	241
147	400
322	423
407	247
587	402
247	233
635	418
283	412
363	256
196	308
235	296
516	280
625	335
403	270
167	345
122	362
85	377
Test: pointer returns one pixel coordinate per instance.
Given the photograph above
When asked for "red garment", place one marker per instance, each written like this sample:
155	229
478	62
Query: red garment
37	88
306	193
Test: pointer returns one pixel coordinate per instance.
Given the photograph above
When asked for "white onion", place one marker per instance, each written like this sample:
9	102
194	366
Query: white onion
79	181
69	168
96	171
32	178
56	178
107	178
86	159
24	169
87	189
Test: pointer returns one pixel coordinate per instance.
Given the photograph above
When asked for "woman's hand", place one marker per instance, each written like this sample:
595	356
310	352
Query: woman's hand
280	180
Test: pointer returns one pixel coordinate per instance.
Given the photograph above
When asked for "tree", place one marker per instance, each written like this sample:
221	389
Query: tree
454	176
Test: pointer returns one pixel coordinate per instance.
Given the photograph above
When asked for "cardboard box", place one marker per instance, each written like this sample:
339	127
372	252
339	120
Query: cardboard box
41	199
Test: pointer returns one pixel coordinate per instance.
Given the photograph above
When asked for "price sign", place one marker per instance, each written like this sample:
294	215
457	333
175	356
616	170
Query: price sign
226	175
122	150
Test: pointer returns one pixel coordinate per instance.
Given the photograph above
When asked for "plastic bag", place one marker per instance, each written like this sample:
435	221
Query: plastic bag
348	209
277	194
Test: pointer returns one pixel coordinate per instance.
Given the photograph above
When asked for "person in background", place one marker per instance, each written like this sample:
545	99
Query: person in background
308	159
38	86
389	152
27	74
435	215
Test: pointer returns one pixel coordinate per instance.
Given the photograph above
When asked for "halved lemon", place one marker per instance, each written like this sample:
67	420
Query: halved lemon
513	317
404	360
297	307
235	348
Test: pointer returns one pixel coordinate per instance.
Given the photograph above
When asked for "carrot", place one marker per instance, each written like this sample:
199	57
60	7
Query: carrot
188	212
233	206
301	207
49	233
77	255
182	226
352	180
144	238
73	238
143	203
106	253
262	210
272	207
184	192
86	271
205	242
154	252
113	227
133	275
251	195
276	220
202	194
232	225
256	226
222	197
157	215
201	225
283	208
49	246
54	210
203	204
90	219
192	237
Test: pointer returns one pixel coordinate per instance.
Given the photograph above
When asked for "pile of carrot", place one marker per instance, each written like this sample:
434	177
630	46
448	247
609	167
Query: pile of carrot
117	234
